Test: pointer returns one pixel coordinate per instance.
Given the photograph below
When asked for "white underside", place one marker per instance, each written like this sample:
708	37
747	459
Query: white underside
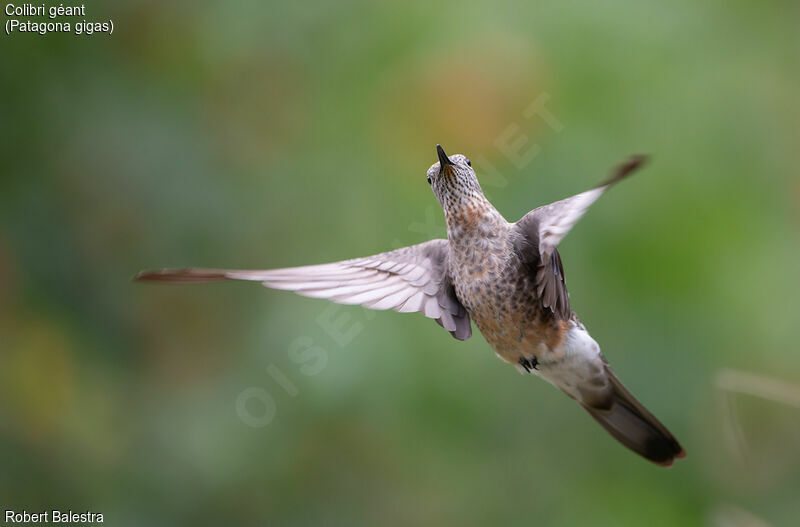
576	367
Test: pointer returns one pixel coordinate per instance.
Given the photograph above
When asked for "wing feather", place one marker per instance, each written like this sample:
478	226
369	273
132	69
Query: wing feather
411	279
539	232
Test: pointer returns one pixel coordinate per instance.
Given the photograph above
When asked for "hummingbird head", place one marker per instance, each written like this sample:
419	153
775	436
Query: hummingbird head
453	181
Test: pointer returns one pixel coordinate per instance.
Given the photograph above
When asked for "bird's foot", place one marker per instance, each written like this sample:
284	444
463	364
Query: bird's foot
529	364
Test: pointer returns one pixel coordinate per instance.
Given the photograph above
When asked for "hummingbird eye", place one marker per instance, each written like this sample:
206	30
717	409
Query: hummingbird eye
429	181
468	161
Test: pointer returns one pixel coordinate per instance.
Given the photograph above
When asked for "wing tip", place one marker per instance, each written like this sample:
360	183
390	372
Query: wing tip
625	169
147	275
179	275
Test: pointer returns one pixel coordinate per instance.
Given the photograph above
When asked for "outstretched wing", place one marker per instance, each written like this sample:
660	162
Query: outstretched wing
540	231
411	279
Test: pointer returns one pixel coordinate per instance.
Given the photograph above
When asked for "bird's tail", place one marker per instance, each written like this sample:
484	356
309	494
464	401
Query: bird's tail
634	426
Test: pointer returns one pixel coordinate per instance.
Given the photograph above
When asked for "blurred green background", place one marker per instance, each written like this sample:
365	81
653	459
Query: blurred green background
259	134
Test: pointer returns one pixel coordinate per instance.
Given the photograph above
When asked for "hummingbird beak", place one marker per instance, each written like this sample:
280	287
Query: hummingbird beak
443	159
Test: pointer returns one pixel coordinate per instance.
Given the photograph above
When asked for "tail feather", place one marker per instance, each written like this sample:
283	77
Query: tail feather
630	423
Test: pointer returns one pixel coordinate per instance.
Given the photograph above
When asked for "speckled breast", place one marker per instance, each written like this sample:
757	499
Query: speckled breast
498	292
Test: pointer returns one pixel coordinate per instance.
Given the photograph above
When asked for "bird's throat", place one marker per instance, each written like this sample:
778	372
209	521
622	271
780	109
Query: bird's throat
471	217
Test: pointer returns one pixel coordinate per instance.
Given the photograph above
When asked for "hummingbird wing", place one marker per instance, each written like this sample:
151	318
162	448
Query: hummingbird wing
542	229
411	279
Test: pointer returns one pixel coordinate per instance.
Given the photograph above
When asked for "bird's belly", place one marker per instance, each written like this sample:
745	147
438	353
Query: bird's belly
501	299
521	334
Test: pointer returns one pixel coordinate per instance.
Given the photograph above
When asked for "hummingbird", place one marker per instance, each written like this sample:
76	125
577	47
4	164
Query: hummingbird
505	277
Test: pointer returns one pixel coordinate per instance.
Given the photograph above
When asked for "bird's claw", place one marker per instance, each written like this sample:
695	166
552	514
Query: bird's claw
529	363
